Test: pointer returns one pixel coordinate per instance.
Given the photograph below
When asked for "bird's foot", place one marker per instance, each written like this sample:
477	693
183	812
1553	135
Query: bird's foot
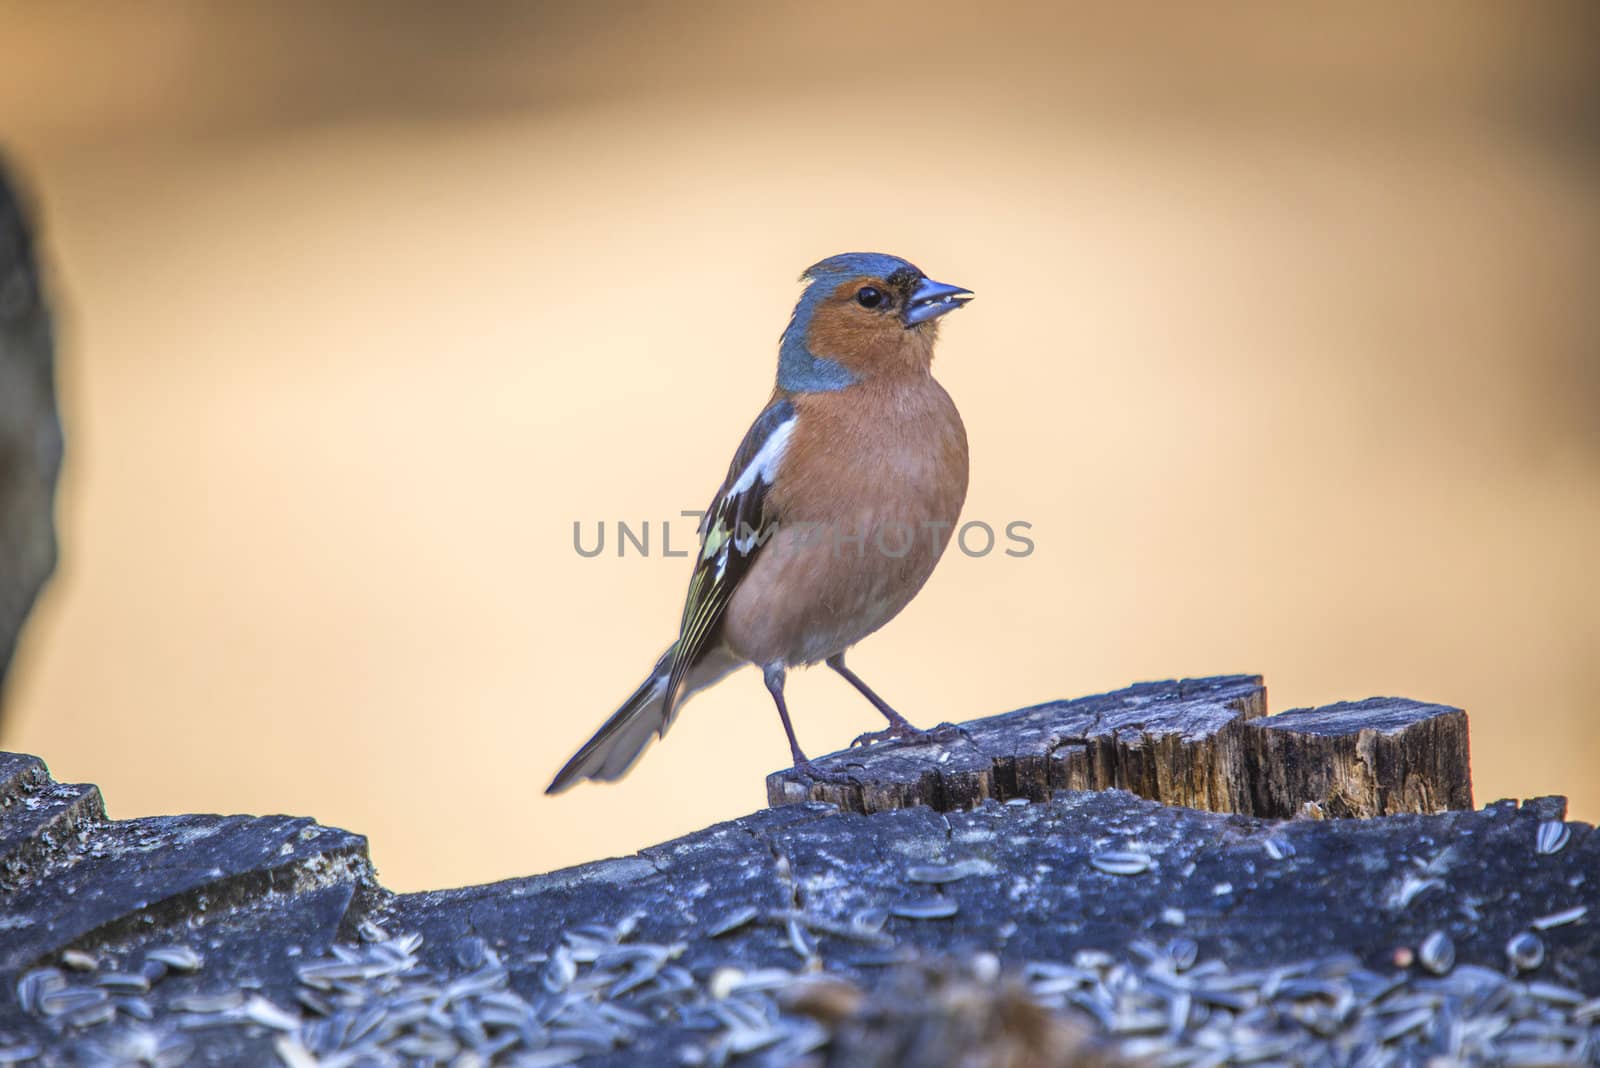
811	773
894	730
944	732
947	732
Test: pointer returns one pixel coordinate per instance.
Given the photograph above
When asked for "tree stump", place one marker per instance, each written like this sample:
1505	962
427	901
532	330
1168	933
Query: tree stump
1201	743
1056	927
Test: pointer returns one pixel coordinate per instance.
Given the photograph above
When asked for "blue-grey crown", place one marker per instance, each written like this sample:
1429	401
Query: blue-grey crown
799	369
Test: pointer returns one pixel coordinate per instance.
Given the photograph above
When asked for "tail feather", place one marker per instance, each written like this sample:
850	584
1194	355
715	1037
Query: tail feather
623	738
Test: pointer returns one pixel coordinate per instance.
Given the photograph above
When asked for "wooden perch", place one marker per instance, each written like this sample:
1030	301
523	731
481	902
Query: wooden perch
1200	743
1083	926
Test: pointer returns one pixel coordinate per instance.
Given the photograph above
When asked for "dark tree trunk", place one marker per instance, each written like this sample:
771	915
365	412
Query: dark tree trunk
30	432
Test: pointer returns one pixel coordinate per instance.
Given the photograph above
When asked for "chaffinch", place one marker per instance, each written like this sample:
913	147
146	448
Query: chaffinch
838	504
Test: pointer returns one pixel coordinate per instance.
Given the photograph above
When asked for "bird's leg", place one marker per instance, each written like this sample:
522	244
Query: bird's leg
774	674
899	726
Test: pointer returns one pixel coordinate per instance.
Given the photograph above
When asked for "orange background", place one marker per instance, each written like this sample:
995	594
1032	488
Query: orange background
1287	344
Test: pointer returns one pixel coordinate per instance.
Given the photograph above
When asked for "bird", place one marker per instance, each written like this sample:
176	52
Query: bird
837	506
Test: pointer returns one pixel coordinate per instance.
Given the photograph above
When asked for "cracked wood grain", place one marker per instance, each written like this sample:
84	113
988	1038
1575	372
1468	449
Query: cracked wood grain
1198	743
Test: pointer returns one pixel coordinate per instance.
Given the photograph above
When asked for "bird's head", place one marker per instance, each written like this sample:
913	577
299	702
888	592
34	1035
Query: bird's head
862	313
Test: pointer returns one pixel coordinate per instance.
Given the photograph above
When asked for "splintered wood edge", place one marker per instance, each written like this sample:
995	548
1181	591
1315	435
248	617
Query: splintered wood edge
1377	757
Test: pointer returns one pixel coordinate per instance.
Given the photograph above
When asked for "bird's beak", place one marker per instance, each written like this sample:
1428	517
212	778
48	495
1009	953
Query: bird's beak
931	299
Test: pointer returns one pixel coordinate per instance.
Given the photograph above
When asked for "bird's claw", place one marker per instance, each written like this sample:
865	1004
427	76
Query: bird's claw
944	732
811	773
894	730
947	732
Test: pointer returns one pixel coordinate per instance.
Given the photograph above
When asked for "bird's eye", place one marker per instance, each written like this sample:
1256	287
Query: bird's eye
868	297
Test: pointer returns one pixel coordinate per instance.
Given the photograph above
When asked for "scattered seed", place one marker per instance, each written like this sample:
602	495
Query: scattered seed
66	1000
207	1004
35	984
1138	1022
1183	952
178	958
552	1057
945	873
1437	953
724	981
313	1001
1533	1054
763	979
800	941
1553	837
1412	887
1089	960
126	982
734	921
870	920
138	1008
1122	863
1405	1023
90	1015
1555	994
324	976
79	961
934	908
260	1010
1560	919
1525	951
599	988
1232	1000
590	1040
559	970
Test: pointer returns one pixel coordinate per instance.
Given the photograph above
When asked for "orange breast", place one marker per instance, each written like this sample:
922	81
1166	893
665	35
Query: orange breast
868	496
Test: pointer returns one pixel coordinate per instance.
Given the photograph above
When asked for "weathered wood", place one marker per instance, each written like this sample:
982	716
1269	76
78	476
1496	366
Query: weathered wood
939	930
70	877
37	815
1365	758
1031	929
30	431
1201	743
1179	742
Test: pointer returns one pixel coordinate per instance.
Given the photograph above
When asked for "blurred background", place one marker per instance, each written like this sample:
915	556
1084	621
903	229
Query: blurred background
1287	345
